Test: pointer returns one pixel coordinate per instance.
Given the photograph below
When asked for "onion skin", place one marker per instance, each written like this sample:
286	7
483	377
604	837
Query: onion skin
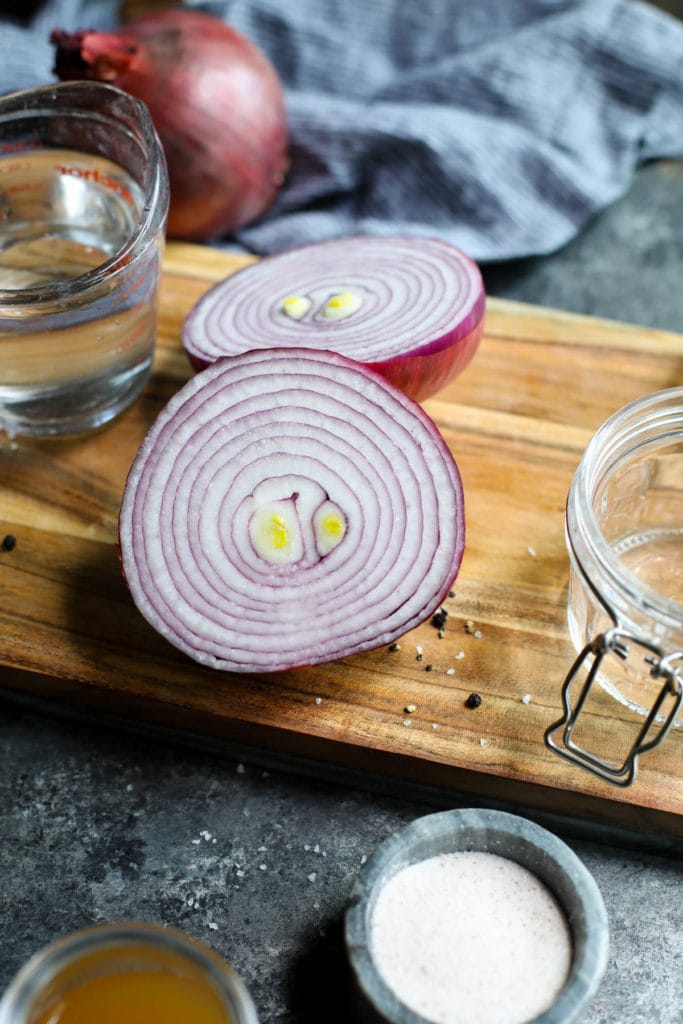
216	102
421	345
299	431
421	375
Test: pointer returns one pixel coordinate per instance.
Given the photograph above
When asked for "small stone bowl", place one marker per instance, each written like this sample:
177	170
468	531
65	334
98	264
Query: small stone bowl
506	835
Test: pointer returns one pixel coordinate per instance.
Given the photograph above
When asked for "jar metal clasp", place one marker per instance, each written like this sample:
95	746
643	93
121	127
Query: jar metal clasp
618	642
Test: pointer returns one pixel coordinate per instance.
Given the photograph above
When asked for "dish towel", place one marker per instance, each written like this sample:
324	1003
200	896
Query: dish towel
501	126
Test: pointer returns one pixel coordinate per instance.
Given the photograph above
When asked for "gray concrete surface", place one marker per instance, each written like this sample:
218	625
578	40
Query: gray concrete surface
627	264
97	824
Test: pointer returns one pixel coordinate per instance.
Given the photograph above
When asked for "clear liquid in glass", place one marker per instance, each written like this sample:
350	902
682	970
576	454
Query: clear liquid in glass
63	214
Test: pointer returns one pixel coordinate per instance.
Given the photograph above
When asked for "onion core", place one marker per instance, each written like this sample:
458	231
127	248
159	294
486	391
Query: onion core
410	308
287	508
216	102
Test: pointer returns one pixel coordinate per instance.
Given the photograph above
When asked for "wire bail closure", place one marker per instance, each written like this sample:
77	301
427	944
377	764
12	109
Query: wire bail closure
618	641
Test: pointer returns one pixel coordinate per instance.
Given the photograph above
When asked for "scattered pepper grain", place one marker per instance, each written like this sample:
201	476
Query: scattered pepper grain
473	701
9	542
439	618
429	668
395	647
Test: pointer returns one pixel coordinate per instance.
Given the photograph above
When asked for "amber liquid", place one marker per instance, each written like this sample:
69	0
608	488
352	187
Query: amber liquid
138	997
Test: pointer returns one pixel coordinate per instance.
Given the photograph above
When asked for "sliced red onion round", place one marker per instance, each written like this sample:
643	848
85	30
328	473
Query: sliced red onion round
411	308
289	507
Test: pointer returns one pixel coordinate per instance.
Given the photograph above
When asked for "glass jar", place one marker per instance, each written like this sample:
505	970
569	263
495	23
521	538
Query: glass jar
155	969
624	532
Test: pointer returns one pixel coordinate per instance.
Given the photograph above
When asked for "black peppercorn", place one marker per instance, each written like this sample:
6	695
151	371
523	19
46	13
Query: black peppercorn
9	542
473	701
439	618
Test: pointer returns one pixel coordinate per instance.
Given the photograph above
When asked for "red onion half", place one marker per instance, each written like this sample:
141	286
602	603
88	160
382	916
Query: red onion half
410	308
288	508
216	102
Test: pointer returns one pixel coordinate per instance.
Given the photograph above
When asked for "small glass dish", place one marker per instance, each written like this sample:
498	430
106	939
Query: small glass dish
133	963
510	837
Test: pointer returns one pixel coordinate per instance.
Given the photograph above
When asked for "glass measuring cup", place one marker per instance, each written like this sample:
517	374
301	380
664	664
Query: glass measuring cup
83	202
624	531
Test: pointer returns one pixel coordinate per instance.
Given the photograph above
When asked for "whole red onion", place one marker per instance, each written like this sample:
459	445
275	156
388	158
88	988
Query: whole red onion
215	100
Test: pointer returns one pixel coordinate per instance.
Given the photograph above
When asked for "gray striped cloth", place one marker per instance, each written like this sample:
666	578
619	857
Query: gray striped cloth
502	126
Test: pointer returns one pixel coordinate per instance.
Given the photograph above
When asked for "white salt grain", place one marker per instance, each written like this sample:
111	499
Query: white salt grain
471	938
526	698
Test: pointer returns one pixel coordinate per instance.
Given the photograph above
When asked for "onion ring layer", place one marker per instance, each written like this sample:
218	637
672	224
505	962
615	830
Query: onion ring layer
411	308
287	508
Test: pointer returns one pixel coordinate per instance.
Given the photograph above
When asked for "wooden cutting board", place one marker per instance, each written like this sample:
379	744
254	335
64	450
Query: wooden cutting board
517	422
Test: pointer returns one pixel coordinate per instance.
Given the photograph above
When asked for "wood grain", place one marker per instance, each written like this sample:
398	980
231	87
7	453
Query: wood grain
517	422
